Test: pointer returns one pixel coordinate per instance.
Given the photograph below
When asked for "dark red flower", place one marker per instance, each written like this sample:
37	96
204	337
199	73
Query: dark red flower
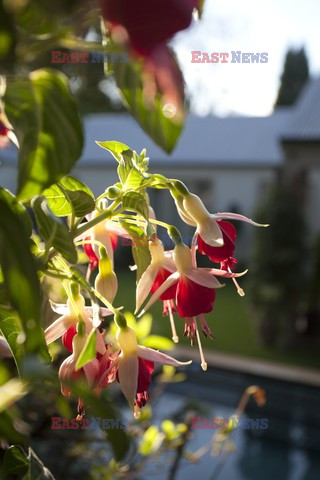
161	277
68	337
193	299
219	254
93	259
148	23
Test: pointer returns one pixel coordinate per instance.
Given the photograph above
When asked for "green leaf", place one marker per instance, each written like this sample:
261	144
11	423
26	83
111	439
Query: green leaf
134	180
144	325
70	194
115	148
15	461
140	249
10	429
151	115
36	469
135	202
20	277
46	122
53	230
18	209
158	343
11	329
88	352
10	392
123	154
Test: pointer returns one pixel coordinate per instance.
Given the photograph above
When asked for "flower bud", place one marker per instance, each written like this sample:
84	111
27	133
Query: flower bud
112	192
127	340
195	208
77	303
106	282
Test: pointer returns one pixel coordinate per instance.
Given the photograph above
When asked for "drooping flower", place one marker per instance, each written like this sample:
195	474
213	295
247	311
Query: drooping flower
69	316
68	370
106	282
145	25
134	365
192	211
160	268
219	254
195	293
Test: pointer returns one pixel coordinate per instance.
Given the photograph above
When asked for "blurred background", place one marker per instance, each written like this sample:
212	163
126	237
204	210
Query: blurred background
251	145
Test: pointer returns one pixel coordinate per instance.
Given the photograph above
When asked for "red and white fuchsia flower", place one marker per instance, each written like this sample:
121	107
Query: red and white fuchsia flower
194	293
134	365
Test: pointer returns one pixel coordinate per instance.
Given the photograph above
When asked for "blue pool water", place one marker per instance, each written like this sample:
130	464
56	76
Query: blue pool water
288	450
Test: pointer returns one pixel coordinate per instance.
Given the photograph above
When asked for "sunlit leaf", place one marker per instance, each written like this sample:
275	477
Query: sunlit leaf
53	230
70	194
135	202
158	343
45	119
88	352
140	249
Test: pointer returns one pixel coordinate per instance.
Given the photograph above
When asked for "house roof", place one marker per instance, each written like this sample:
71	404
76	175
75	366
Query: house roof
230	141
305	119
206	140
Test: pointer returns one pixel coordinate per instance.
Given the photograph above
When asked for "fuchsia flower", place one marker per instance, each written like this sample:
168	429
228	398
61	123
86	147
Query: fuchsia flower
219	254
160	268
68	371
195	292
69	318
147	24
134	364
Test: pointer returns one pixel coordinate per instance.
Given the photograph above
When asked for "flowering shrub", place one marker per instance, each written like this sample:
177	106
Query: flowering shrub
54	220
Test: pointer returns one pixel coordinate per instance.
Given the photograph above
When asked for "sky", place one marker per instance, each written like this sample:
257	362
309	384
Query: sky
249	26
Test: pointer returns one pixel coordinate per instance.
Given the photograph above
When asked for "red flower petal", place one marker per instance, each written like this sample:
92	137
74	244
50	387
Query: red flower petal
114	240
93	259
144	377
161	277
67	337
148	23
193	299
219	254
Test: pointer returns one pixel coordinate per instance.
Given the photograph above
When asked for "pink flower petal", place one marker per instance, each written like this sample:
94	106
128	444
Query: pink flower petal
159	357
58	328
128	377
202	277
168	283
145	283
236	216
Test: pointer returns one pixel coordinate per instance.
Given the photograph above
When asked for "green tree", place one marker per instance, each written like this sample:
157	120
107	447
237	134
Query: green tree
278	267
295	75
